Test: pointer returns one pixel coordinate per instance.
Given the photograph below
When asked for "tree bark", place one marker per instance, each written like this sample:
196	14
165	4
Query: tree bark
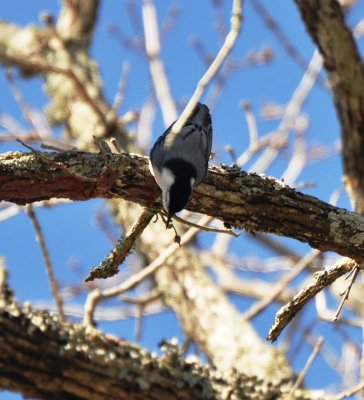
42	358
326	24
246	201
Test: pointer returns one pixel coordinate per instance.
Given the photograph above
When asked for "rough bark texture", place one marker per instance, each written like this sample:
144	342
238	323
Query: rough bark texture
326	24
246	201
42	358
322	279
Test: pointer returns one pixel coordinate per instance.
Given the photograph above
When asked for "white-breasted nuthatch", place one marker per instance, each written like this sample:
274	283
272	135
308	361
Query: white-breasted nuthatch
179	161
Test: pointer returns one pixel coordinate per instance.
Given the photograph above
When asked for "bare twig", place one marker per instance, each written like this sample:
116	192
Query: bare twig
170	20
283	39
263	142
106	313
322	279
96	295
328	353
119	97
42	67
324	313
345	295
235	26
110	265
13	209
299	157
33	137
273	244
257	308
252	124
206	228
303	373
19	99
51	277
349	393
159	76
291	113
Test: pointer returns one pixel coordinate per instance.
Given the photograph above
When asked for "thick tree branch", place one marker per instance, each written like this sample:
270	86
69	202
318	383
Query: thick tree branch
247	201
42	358
326	24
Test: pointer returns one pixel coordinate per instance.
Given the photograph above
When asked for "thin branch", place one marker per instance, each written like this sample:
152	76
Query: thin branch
104	313
159	76
262	143
252	124
283	39
257	308
291	113
308	365
47	260
298	160
110	265
324	313
206	228
20	100
13	210
322	279
235	26
350	392
41	67
33	137
96	295
120	94
345	295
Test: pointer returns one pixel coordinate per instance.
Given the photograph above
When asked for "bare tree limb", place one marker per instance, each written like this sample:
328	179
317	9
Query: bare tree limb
110	265
42	358
326	24
157	70
47	260
278	288
322	279
308	365
235	26
246	201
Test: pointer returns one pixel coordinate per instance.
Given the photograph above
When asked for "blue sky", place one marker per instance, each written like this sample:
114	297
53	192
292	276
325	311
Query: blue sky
71	230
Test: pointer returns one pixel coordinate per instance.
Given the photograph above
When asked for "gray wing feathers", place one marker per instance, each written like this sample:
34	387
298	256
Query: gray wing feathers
192	143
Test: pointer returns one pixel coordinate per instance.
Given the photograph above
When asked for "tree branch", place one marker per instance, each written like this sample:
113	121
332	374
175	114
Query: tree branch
322	279
246	201
326	24
76	364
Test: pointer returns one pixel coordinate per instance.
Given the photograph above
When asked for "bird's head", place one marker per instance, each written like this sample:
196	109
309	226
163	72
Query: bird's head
178	179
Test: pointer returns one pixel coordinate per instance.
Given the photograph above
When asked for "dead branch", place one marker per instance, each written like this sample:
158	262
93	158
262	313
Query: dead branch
321	280
110	265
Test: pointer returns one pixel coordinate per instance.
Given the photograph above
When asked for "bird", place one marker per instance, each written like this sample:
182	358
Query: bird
179	161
